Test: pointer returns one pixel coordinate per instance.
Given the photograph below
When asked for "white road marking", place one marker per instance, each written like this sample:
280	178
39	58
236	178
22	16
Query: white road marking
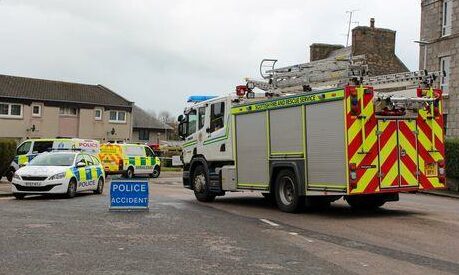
293	233
269	222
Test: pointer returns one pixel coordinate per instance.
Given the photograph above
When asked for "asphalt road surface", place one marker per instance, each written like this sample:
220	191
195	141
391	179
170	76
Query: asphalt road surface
240	233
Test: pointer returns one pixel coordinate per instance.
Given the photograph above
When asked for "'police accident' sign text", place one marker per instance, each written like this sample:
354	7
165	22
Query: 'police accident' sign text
128	195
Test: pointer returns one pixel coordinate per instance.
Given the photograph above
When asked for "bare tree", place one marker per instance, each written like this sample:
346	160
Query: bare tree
152	113
165	116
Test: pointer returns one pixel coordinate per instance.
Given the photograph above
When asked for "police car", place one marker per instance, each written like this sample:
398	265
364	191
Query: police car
59	172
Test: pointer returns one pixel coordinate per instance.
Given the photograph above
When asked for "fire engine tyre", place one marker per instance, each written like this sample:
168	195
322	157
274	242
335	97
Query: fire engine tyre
201	185
362	203
71	189
156	172
9	174
286	192
100	187
129	173
19	196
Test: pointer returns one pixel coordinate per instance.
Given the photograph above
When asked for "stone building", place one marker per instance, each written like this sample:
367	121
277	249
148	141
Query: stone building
439	51
377	44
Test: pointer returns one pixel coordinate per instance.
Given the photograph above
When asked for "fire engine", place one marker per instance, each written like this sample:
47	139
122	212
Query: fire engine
315	133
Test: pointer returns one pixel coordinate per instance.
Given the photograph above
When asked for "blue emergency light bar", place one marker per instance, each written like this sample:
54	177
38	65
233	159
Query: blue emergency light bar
200	98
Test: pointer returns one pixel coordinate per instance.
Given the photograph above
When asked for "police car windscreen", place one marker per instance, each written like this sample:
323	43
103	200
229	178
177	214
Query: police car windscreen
61	159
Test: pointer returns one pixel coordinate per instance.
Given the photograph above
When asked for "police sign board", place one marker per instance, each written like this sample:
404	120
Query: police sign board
129	195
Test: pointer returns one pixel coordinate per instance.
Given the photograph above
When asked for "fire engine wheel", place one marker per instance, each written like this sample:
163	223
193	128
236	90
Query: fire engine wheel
286	191
201	185
100	187
71	189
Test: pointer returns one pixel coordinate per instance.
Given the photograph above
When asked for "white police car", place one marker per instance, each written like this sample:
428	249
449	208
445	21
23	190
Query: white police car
60	172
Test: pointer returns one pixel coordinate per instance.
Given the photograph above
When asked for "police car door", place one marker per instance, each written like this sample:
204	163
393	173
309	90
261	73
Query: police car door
91	173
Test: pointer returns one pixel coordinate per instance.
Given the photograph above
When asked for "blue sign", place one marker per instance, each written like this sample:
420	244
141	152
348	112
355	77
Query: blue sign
129	194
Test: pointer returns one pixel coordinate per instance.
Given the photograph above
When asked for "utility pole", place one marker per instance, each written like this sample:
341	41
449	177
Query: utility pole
351	13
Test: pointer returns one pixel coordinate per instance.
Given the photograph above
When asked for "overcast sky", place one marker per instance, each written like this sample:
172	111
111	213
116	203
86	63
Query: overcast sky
156	53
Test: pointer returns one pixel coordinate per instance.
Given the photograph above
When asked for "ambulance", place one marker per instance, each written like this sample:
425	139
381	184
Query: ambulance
59	172
129	160
30	148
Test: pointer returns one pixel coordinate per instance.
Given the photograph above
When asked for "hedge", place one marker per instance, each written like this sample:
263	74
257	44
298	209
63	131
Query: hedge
452	158
7	153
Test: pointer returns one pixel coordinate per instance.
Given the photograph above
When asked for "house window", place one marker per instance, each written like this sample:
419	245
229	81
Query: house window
10	110
217	112
98	114
68	111
118	116
447	17
36	110
144	134
445	68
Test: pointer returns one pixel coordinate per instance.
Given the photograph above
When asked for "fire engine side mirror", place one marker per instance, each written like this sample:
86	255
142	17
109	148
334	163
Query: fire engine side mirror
180	118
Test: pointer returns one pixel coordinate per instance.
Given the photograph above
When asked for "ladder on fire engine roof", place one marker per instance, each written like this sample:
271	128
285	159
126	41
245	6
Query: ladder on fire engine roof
333	72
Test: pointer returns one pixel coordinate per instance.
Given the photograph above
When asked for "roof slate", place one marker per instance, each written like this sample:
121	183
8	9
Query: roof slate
144	120
59	91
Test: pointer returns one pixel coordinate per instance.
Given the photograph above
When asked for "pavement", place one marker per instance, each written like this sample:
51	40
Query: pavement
238	233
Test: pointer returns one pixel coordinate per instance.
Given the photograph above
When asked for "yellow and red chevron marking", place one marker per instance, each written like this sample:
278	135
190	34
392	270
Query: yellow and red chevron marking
110	156
409	156
388	154
362	141
430	143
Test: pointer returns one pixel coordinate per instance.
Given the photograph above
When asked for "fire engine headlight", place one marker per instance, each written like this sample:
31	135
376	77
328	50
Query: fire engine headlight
16	176
353	175
57	176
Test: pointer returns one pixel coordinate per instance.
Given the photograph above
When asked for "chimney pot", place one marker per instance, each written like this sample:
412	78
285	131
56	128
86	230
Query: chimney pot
372	23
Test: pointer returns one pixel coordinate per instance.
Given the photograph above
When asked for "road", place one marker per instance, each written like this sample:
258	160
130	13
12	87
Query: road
239	233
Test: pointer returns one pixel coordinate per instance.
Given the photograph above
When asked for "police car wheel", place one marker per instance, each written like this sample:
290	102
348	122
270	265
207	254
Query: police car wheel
19	196
156	172
100	187
201	185
286	192
71	189
9	175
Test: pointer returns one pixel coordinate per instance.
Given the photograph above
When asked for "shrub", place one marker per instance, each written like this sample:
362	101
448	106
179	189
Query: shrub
452	158
7	153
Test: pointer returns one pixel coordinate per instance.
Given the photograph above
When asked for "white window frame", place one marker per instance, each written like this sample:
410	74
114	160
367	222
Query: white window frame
9	115
117	120
101	113
39	110
68	113
447	16
445	65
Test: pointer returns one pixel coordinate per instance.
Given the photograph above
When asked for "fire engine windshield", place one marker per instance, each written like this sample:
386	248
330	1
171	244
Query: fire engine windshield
191	125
